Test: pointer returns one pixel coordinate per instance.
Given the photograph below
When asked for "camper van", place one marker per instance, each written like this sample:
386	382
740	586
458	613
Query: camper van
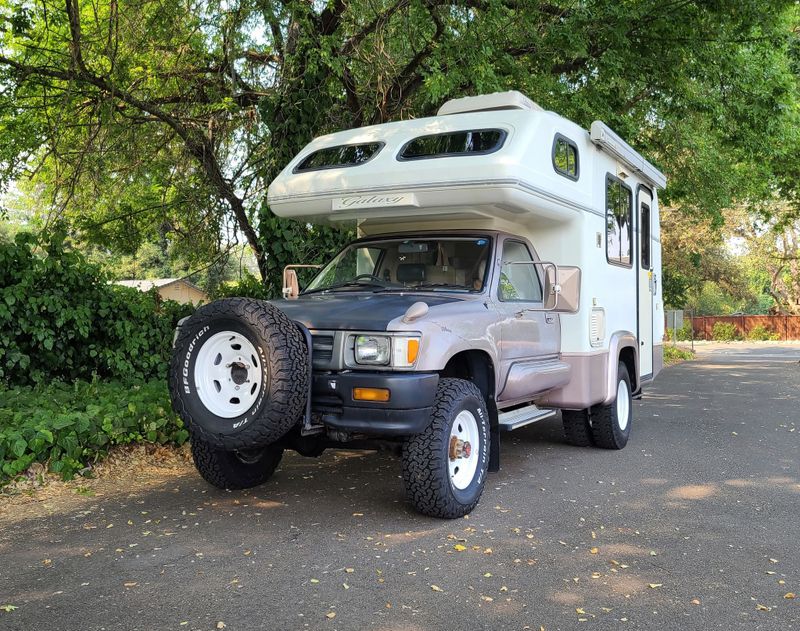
507	270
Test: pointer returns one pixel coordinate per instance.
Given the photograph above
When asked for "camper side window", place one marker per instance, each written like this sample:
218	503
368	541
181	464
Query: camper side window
618	222
518	283
565	157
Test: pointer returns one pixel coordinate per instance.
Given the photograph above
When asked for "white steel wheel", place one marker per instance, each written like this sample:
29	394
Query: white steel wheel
623	404
227	374
611	423
464	450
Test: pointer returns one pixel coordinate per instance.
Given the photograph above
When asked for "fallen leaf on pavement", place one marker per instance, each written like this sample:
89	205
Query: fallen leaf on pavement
654	585
436	588
594	551
330	615
580	611
459	548
349	570
8	608
221	625
695	601
131	584
762	608
789	596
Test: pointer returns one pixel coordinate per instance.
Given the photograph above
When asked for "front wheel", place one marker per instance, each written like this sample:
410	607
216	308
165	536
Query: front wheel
235	470
445	467
611	424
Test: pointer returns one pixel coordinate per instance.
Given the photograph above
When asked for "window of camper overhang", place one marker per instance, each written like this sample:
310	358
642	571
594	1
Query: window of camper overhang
339	156
457	143
619	210
565	157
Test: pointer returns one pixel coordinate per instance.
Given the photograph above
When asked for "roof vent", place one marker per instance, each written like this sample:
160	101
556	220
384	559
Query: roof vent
511	100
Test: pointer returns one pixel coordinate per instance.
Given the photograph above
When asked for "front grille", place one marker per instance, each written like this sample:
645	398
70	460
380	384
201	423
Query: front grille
322	349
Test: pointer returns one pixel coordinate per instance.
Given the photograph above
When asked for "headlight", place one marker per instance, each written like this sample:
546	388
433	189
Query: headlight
373	349
382	350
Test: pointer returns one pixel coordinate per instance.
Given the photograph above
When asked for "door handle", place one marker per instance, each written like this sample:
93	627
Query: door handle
549	319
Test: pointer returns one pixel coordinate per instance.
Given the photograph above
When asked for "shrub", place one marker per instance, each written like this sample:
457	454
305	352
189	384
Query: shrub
725	332
60	318
248	286
673	354
684	333
760	333
71	425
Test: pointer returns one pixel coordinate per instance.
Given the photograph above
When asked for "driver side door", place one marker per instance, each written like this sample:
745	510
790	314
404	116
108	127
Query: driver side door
528	339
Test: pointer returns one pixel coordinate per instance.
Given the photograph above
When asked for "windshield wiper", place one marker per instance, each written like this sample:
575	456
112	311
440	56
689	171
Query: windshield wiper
350	283
440	286
432	286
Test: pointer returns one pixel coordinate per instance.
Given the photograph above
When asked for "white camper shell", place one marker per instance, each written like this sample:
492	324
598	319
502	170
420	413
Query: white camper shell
508	268
518	187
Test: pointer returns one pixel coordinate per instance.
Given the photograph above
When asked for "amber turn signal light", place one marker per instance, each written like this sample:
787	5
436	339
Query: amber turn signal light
371	394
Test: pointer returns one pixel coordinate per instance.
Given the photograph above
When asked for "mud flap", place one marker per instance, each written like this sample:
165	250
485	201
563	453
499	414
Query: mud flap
494	434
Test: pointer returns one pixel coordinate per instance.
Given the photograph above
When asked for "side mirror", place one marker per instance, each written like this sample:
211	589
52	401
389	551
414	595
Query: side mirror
562	288
291	287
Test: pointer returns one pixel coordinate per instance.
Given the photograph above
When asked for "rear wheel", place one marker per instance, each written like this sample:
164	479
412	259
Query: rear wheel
445	467
233	470
611	424
577	429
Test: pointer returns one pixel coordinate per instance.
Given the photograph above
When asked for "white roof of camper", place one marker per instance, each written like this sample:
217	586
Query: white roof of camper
511	100
517	181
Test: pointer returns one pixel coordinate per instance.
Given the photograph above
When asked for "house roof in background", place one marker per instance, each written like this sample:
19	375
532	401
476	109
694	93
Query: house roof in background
147	285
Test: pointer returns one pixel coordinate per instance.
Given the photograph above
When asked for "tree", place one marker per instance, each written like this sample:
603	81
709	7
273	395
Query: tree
772	253
166	117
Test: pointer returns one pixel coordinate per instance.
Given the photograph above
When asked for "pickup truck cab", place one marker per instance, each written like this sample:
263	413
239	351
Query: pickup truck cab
495	284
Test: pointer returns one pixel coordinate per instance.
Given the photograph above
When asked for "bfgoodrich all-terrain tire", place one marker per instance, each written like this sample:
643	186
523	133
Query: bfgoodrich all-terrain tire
235	469
611	424
239	374
445	467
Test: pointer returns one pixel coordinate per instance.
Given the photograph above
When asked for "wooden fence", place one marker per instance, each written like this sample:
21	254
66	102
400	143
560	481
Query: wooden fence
788	327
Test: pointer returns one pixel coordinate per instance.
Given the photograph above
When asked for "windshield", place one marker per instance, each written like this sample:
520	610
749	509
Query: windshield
439	263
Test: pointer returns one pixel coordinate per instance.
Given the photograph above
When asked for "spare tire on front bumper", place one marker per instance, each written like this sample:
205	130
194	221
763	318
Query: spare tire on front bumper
239	374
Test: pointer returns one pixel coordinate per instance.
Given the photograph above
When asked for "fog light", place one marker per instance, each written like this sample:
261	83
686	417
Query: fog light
371	394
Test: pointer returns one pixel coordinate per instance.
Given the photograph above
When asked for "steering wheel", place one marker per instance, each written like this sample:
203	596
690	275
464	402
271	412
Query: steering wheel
371	277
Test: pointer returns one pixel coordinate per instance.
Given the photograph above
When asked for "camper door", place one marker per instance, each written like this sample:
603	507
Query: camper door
645	282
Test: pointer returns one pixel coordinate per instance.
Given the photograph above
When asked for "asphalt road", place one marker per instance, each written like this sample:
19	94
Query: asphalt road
693	526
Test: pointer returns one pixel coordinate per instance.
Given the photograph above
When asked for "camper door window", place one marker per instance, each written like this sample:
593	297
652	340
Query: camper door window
618	221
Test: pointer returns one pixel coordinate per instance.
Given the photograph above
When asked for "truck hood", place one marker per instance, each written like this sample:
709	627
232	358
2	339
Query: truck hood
353	311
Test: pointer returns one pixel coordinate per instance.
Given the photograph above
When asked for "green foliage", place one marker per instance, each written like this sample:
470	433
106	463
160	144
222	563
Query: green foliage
248	286
61	319
69	426
684	333
760	333
674	354
725	332
145	119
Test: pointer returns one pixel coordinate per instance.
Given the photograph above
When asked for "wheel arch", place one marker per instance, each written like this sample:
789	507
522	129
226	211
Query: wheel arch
477	366
622	348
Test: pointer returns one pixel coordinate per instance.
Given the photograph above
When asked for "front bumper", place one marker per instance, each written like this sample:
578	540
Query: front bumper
407	412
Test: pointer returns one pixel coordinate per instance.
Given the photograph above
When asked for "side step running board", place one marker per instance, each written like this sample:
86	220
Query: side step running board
523	416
